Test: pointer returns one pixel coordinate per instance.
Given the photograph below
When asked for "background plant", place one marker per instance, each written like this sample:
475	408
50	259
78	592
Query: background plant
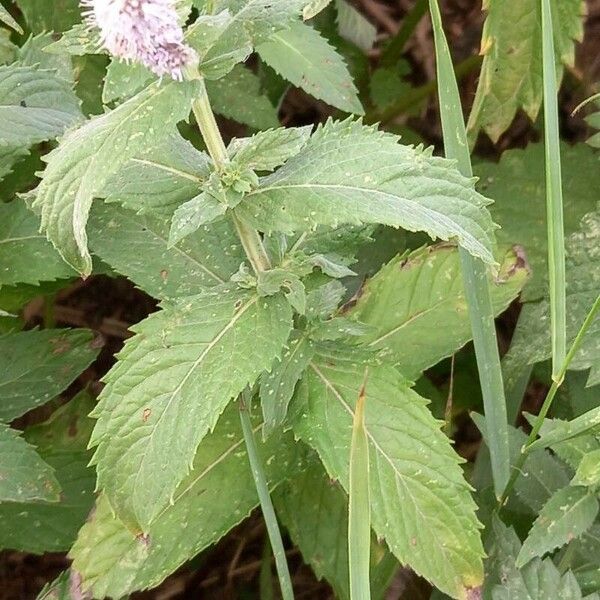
297	284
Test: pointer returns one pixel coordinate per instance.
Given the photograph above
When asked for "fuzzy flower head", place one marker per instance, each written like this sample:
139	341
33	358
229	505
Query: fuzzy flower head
145	31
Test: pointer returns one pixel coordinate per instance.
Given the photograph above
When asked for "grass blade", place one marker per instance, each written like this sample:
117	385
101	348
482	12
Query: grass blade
475	273
359	522
554	199
266	505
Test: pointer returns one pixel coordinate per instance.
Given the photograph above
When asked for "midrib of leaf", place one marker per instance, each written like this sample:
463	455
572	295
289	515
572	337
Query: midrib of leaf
386	195
168	169
379	449
21	239
207	470
189	373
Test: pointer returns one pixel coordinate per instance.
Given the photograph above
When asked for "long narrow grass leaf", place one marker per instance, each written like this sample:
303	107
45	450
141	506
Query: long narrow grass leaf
475	273
266	505
554	198
359	523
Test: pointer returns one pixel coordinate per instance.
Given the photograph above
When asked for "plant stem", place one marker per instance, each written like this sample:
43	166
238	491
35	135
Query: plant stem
359	512
252	244
266	504
556	383
393	52
474	272
257	256
554	198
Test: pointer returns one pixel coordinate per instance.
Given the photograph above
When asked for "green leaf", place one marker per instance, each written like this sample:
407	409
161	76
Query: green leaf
313	8
24	476
9	156
568	513
314	510
379	181
420	503
252	22
160	178
189	217
354	27
277	387
215	496
78	41
59	589
300	55
539	580
61	442
123	80
87	157
511	75
420	296
33	54
238	96
171	383
7	19
556	431
588	471
57	15
531	342
136	246
26	256
38	365
267	150
35	105
520	175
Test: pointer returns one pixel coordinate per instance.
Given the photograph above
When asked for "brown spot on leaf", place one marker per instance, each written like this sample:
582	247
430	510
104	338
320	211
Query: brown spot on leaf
164	275
146	414
60	345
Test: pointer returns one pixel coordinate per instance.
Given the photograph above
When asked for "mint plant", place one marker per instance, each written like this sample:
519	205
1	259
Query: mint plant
316	288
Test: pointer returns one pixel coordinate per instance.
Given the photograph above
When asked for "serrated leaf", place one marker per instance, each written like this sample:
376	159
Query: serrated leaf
38	365
7	19
61	442
511	75
160	178
305	58
379	181
313	8
354	27
137	246
556	431
87	157
314	509
78	41
420	503
150	419
26	256
35	105
238	96
588	471
420	296
33	54
568	513
531	342
123	80
277	387
267	150
24	476
517	185
215	496
190	216
59	589
42	15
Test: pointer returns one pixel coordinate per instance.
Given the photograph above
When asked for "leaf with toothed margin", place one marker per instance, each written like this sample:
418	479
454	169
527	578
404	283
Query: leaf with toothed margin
378	181
217	494
160	178
420	296
24	476
35	105
420	501
305	58
137	246
88	156
172	381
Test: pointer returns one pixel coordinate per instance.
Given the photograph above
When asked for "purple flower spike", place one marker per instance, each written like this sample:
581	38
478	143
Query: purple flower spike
146	31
